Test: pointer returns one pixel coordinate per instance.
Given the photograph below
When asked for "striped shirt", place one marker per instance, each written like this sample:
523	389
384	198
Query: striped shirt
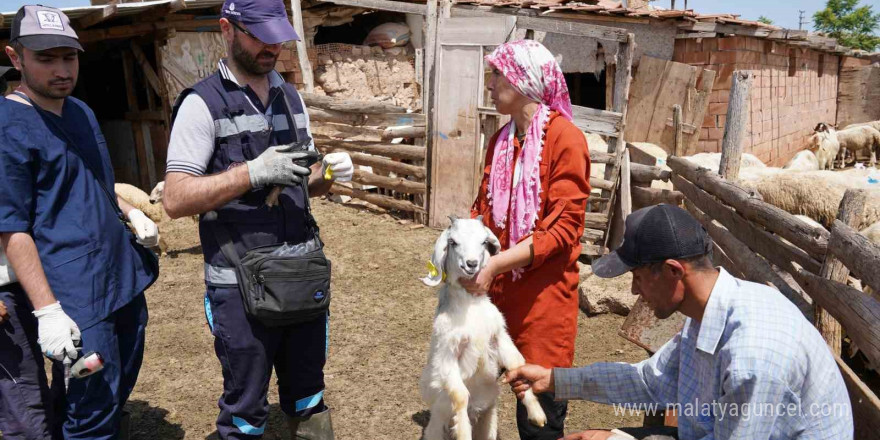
192	143
753	368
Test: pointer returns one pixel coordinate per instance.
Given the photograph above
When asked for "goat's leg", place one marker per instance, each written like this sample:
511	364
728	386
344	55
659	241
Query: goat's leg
487	425
461	423
512	359
440	415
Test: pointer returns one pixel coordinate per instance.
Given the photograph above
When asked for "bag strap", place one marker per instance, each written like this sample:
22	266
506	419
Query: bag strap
310	219
79	152
223	239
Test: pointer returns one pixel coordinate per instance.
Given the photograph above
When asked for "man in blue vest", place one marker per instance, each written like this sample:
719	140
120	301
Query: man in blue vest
230	145
81	272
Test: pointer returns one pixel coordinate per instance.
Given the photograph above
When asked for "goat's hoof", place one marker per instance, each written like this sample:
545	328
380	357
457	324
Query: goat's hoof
538	420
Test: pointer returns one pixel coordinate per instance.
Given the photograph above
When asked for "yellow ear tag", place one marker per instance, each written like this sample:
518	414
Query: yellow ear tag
433	272
328	174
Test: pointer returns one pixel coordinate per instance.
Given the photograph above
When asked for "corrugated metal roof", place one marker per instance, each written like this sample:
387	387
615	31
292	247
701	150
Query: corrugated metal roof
122	9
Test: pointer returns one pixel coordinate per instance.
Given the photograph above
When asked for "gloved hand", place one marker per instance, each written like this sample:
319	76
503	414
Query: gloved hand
146	231
58	334
339	165
276	166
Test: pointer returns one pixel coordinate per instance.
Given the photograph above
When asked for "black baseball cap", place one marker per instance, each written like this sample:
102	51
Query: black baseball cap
39	27
652	235
265	19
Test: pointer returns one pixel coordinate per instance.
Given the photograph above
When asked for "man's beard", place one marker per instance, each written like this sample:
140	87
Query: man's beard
249	63
46	90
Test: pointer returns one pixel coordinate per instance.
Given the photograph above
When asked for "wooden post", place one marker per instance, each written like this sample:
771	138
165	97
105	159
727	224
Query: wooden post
850	212
676	123
429	80
735	126
301	48
137	131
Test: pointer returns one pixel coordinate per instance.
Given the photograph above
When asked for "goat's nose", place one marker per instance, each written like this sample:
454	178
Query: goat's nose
472	263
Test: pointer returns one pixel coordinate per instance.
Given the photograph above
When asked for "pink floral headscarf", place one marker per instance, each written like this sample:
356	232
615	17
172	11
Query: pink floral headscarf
534	72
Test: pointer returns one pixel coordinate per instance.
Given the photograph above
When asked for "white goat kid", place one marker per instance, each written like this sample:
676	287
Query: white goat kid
469	342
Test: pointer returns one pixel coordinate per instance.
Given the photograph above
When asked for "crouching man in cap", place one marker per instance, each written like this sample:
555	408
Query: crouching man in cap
746	365
237	135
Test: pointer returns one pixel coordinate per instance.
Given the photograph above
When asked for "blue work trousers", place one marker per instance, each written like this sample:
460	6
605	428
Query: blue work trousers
248	351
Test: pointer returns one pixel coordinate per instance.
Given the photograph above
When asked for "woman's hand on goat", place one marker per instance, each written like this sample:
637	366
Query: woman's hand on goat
482	281
534	377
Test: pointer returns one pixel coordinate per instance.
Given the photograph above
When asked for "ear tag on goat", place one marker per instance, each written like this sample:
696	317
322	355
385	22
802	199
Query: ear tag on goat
433	272
328	174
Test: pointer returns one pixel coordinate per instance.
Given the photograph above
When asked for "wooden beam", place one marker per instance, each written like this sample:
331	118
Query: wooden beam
351	106
678	133
376	199
404	132
646	174
96	17
597	121
149	72
302	54
597	156
161	11
359	119
697	35
859	313
398	151
813	241
596	182
383	5
387	164
735	125
754	267
642	197
137	132
859	254
770	246
596	220
393	183
558	26
850	212
865	404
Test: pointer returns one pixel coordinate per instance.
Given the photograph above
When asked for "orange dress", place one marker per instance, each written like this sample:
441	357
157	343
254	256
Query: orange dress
541	307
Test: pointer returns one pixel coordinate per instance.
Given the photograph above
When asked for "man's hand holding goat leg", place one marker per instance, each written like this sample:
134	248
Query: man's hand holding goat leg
529	377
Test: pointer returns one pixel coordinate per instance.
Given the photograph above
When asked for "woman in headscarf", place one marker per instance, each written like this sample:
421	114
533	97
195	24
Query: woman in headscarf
533	197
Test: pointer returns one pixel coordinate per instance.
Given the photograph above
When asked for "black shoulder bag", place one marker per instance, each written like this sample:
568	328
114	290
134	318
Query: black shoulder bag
279	290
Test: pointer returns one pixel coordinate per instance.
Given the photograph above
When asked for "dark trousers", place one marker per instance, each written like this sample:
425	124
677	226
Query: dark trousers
555	412
93	405
248	351
25	398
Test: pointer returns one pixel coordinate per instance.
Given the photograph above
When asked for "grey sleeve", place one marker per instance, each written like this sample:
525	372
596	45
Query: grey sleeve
192	138
308	124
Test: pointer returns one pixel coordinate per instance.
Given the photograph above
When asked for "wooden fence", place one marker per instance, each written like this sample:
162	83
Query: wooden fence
810	266
365	130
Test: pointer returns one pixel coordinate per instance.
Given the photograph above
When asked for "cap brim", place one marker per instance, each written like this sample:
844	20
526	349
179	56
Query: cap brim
45	42
274	31
610	266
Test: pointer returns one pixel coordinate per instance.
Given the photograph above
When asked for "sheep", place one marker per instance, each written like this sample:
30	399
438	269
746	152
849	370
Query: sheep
873	124
712	161
825	145
816	194
158	193
469	341
859	138
803	161
140	200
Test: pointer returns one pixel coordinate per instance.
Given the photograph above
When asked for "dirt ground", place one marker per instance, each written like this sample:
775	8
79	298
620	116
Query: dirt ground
379	333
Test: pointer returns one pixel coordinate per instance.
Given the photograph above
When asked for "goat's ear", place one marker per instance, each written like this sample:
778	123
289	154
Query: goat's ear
480	218
438	261
492	243
453	218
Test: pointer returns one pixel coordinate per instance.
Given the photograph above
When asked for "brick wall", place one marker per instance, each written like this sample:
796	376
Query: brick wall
786	102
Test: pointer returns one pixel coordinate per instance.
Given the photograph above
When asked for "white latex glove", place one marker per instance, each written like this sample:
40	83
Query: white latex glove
58	334
337	166
146	231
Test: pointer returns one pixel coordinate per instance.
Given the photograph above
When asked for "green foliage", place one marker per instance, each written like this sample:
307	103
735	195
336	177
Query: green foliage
850	24
765	20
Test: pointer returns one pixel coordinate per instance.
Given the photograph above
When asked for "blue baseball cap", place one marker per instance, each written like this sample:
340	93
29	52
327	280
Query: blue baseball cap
265	19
